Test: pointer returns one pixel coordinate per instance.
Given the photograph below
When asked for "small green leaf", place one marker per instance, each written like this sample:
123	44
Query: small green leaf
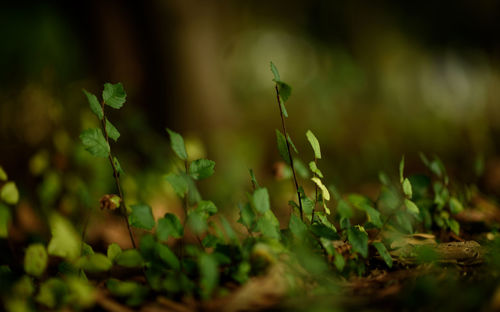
373	216
94	142
455	205
275	72
35	260
344	209
412	207
177	144
134	293
113	251
358	238
282	147
260	200
112	131
454	226
314	144
65	241
3	174
297	227
284	90
142	217
95	263
197	222
252	178
209	274
169	226
207	206
179	183
201	169
339	261
95	107
401	169
4	221
52	293
247	216
383	253
291	143
9	193
407	190
322	187
283	109
315	170
267	228
168	256
118	166
114	95
130	258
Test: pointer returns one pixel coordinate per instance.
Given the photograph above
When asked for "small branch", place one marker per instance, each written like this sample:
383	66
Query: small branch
289	152
117	179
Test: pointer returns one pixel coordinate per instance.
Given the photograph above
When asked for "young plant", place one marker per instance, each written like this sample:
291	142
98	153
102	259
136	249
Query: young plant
283	92
96	141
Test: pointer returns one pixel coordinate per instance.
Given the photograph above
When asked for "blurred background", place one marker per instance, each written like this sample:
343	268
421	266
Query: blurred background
373	81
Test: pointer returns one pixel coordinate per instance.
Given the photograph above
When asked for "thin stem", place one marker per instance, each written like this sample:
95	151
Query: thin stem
117	179
289	152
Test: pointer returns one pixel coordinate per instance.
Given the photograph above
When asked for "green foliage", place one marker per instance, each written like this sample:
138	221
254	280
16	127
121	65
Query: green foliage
65	241
35	260
142	217
260	200
112	131
114	95
4	220
95	107
209	274
169	226
382	251
96	262
179	182
114	251
177	144
3	174
358	238
201	169
314	144
94	142
9	193
282	147
130	258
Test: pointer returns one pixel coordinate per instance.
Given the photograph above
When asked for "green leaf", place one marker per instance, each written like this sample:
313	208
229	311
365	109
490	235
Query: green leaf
260	200
284	90
407	190
65	241
35	260
130	258
252	178
275	72
383	253
168	256
114	250
282	147
95	107
201	169
297	227
209	274
455	205
114	95
454	226
412	208
112	131
3	174
52	293
358	238
177	144
94	142
283	108
314	144
339	261
133	292
291	143
118	166
95	263
373	216
9	193
268	228
4	221
401	169
247	216
179	183
207	206
197	222
168	226
344	209
142	217
315	170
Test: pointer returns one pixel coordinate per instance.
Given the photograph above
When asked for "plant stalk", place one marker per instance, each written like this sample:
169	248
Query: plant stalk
117	179
289	152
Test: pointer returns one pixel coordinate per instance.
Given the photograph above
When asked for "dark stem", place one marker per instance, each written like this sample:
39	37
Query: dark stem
289	153
117	180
